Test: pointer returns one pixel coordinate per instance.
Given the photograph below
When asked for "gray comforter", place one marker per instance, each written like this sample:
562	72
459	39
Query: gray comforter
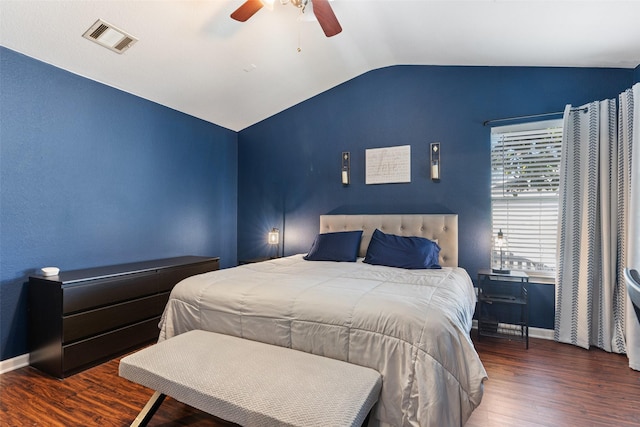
412	326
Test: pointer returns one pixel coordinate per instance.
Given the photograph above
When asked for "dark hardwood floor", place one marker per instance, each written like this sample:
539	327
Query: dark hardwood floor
555	385
550	384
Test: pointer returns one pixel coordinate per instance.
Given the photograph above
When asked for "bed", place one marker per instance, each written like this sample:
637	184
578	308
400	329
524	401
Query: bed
411	325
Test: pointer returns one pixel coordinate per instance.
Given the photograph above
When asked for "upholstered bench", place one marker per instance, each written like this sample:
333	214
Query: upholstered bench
251	383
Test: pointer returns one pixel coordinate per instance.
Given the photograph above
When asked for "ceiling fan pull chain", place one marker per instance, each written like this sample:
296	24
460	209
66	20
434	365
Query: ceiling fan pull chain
299	34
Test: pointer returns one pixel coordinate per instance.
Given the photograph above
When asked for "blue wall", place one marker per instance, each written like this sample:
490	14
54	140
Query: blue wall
94	176
289	164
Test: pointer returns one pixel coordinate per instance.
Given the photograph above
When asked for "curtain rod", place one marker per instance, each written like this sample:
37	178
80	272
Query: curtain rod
486	122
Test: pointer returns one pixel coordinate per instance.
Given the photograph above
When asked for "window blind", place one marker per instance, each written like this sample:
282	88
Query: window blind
525	175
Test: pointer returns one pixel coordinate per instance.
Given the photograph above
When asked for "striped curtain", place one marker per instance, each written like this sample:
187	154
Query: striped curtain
629	134
594	236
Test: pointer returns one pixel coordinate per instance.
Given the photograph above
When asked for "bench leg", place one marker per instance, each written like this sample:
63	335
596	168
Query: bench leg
149	409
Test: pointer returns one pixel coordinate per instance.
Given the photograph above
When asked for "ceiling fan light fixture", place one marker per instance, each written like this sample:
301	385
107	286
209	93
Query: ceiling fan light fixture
306	14
322	11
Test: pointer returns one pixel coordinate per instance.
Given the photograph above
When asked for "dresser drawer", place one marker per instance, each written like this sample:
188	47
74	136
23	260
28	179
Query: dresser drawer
94	322
92	351
101	292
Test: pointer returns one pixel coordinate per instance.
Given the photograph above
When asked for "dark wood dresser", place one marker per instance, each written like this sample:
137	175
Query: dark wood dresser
82	318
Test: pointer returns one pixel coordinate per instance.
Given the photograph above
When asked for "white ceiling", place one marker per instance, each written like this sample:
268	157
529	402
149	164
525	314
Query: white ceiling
191	56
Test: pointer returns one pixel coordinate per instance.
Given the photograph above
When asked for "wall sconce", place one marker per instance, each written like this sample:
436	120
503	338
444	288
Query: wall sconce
273	238
435	161
346	167
501	242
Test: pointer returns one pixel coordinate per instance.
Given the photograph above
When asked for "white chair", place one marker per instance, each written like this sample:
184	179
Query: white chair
633	287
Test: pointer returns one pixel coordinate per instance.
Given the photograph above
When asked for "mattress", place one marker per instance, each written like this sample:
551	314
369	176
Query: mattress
412	326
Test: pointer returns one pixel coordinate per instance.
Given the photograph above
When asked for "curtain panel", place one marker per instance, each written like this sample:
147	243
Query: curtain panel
629	134
598	226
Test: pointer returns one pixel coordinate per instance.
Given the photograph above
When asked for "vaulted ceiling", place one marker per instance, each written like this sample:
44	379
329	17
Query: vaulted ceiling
191	56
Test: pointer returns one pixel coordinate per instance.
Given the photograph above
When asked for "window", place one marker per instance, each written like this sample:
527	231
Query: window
525	175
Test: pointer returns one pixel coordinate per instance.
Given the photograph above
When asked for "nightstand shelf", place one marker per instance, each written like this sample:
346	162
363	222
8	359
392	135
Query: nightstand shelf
503	301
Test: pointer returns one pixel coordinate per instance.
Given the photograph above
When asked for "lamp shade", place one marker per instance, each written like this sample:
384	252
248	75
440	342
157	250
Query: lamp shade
273	238
501	242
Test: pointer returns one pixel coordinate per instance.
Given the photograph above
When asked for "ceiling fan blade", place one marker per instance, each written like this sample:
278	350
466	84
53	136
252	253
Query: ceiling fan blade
247	10
326	18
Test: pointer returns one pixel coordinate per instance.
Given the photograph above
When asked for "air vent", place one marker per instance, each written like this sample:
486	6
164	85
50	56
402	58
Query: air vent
109	36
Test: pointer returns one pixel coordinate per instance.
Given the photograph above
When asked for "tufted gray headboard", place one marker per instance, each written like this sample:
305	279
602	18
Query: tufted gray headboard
442	228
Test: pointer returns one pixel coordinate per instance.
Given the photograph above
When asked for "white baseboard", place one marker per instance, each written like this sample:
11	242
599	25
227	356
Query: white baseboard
14	363
545	334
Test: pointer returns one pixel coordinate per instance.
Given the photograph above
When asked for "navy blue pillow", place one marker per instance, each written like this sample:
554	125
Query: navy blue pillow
340	246
404	252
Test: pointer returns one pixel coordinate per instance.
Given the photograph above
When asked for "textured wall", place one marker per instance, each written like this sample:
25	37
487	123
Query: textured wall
94	176
289	164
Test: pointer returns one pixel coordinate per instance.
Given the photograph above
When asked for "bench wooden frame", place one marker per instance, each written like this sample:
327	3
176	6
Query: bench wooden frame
252	383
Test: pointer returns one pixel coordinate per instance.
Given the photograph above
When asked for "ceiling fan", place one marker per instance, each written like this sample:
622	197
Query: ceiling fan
321	9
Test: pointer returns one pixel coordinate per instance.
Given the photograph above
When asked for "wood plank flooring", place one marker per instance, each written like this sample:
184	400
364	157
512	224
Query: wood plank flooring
551	385
555	385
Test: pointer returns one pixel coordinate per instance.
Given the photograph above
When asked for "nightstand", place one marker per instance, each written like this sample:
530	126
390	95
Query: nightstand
503	310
